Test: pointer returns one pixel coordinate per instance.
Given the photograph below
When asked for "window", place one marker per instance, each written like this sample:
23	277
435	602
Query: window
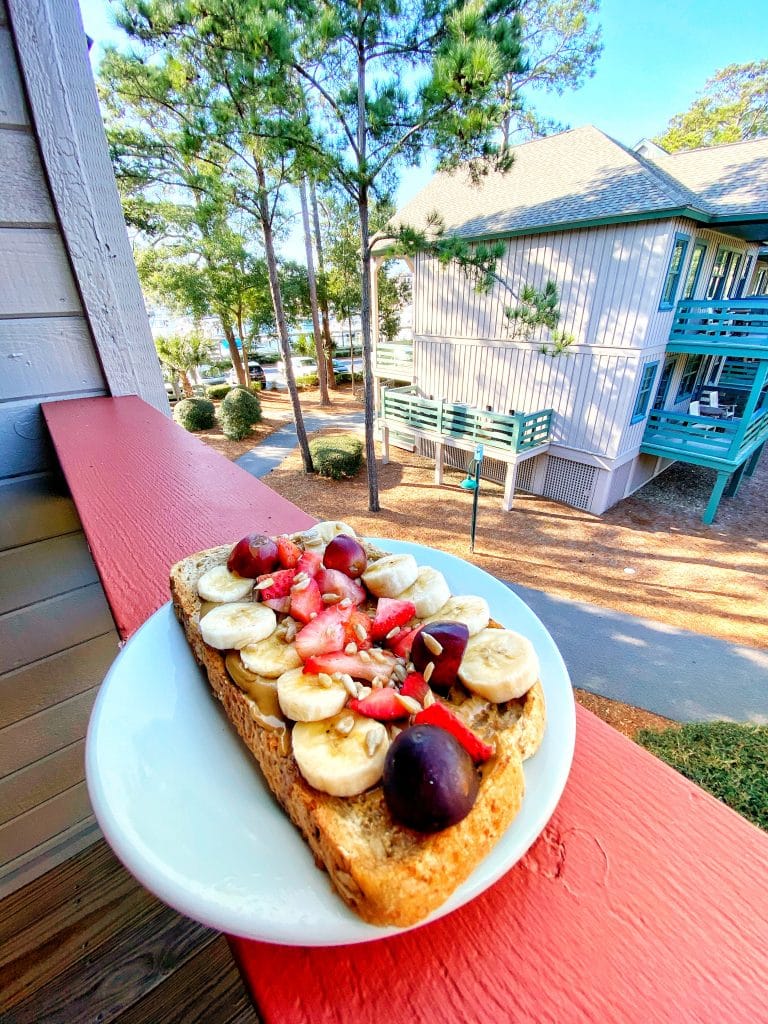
644	391
674	271
744	279
688	381
694	269
761	282
724	279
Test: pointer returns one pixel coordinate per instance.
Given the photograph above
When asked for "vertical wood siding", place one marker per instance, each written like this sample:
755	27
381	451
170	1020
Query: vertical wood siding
57	637
609	280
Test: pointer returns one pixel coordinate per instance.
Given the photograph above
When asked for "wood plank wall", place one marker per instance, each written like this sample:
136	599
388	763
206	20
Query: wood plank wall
609	280
57	637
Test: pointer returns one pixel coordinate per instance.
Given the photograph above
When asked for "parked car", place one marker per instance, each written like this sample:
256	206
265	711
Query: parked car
209	376
255	373
303	366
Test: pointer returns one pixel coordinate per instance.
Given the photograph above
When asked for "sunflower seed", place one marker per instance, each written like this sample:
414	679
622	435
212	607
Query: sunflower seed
364	656
377	683
325	680
373	740
264	584
411	706
345	602
429	699
428	671
399	672
360	630
345	725
300	577
363	691
302	585
351	648
392	632
330	598
349	684
312	615
432	645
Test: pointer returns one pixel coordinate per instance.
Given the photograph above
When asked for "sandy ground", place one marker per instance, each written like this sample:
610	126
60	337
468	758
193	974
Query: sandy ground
650	555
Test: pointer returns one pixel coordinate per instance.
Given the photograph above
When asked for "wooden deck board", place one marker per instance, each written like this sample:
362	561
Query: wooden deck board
87	943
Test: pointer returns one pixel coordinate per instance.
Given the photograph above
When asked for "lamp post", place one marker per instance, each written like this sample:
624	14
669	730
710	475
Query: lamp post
472	483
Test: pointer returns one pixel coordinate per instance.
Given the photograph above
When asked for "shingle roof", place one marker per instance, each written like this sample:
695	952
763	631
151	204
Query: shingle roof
727	180
583	175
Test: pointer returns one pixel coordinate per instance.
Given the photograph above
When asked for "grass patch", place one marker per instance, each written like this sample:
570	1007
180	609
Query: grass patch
727	759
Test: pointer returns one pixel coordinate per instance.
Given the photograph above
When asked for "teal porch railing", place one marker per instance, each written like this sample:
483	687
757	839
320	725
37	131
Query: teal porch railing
395	361
465	424
737	327
719	444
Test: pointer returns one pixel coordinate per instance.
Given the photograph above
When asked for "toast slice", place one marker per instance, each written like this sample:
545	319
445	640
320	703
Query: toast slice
385	872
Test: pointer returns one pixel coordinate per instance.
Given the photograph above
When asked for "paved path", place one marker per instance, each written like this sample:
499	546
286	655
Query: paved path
268	455
684	676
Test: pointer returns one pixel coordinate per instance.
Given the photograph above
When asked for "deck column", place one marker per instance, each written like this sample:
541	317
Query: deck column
509	486
384	444
438	463
735	482
714	500
754	459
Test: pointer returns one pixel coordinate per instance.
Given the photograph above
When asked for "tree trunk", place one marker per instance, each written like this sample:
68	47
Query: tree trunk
327	339
282	327
322	370
234	354
186	384
351	355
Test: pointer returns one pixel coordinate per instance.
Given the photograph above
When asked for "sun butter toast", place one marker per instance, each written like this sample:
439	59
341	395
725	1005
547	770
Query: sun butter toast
387	873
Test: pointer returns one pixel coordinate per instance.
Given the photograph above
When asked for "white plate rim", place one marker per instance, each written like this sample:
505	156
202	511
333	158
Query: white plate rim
347	928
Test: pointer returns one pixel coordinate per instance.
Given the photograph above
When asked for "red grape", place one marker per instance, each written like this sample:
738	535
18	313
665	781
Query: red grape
253	556
347	555
449	641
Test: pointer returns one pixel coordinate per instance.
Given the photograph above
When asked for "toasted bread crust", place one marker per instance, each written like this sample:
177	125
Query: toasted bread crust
388	874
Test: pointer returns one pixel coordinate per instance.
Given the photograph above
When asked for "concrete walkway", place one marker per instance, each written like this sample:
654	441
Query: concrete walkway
268	455
682	675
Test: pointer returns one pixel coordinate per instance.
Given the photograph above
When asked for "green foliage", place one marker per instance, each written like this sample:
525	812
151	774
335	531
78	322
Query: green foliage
536	309
238	412
732	107
268	358
562	45
727	759
195	414
218	391
337	457
182	352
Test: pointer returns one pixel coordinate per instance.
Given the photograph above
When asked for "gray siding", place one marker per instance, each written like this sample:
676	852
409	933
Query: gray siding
57	637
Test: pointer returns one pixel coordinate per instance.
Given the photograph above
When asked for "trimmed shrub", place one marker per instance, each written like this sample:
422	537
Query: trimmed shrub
218	390
309	381
337	457
195	414
268	358
239	410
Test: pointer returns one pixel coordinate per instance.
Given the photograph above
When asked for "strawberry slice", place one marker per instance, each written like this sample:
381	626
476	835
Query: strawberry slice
358	630
416	686
278	595
440	715
391	613
352	664
323	634
381	704
401	644
333	581
310	562
288	552
307	602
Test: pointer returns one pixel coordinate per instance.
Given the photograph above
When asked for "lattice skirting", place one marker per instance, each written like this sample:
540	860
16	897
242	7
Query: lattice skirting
573	483
456	458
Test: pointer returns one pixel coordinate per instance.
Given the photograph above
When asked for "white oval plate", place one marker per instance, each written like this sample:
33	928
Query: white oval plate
184	806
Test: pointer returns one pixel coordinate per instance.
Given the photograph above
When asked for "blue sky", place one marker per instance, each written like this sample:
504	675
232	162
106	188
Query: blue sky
657	55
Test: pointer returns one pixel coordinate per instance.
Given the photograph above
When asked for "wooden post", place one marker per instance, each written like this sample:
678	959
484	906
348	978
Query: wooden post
734	483
438	463
754	459
509	486
714	500
384	444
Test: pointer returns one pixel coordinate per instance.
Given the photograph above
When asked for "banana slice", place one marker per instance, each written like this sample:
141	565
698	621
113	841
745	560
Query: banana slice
221	585
340	758
499	665
236	625
470	609
390	575
323	533
303	698
270	657
428	592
